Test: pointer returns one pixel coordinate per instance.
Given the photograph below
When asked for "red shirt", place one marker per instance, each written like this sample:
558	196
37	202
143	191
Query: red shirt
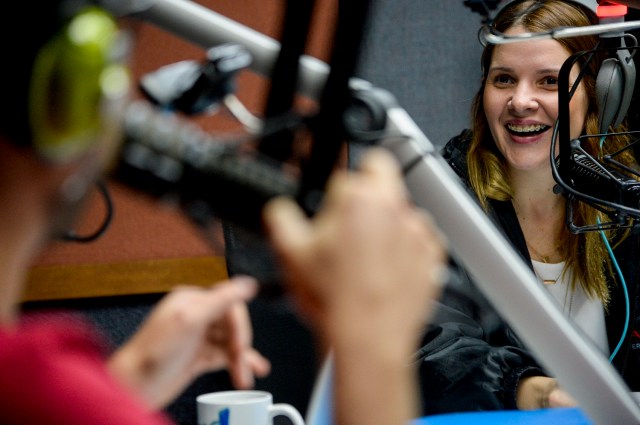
53	371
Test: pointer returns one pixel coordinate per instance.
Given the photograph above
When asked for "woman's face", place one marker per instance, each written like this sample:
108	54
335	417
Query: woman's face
521	100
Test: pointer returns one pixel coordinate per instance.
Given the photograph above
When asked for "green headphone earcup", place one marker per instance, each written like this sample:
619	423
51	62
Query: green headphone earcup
69	83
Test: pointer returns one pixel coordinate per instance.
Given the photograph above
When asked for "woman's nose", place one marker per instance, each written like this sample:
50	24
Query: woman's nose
523	99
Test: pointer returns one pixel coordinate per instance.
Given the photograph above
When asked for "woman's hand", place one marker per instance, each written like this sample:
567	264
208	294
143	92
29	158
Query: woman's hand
540	392
191	331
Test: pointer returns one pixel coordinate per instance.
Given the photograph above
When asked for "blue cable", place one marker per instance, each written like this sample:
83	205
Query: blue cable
626	294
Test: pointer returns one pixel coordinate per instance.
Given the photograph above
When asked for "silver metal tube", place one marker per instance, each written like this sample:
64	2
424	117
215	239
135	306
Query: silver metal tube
499	271
206	28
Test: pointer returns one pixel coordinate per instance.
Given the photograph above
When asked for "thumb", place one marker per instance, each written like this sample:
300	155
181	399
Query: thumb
560	398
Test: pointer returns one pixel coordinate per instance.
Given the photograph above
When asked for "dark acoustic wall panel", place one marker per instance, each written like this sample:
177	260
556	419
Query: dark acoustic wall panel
426	52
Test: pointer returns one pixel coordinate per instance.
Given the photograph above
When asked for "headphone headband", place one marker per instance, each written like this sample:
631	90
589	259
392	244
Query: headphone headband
588	6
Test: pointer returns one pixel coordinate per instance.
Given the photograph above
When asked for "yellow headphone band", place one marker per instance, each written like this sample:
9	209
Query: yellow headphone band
78	78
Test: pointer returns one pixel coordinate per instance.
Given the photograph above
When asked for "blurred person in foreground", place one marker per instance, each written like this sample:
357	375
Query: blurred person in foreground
66	88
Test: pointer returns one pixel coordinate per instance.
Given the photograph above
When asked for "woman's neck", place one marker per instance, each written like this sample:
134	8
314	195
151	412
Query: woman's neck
532	186
541	214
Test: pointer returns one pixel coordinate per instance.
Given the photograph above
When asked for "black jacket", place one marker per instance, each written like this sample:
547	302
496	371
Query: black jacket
471	360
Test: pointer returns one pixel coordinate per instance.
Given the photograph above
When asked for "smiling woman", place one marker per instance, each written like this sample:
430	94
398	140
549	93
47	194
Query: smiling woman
505	159
521	103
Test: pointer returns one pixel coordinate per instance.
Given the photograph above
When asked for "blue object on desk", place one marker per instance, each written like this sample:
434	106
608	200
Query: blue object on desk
320	410
558	416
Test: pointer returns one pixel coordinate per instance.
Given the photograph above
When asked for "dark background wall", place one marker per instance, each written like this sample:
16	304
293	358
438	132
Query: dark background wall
426	53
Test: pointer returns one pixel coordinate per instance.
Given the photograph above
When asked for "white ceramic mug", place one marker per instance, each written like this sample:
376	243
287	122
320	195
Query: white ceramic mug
239	407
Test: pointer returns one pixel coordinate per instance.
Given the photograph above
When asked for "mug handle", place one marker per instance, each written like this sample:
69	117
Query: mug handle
285	410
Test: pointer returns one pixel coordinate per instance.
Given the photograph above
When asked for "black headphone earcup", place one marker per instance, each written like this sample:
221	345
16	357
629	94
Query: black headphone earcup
614	89
609	93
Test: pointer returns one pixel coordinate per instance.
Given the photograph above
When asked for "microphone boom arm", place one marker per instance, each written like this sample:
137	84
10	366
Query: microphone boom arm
206	28
472	237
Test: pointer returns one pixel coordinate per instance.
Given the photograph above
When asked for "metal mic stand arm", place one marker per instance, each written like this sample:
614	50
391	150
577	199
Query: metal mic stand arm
472	237
207	28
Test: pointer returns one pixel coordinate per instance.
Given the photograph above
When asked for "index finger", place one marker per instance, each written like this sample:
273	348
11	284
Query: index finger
379	164
222	296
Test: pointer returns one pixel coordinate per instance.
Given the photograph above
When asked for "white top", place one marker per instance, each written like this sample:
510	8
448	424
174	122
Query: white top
585	313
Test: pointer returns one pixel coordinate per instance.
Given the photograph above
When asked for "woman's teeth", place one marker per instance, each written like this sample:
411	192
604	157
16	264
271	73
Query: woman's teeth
526	130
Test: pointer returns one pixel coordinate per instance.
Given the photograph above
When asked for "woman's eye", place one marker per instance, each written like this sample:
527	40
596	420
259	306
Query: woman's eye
550	81
502	79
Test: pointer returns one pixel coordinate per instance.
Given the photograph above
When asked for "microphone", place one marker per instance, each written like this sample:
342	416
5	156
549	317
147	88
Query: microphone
603	183
173	159
170	158
600	184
